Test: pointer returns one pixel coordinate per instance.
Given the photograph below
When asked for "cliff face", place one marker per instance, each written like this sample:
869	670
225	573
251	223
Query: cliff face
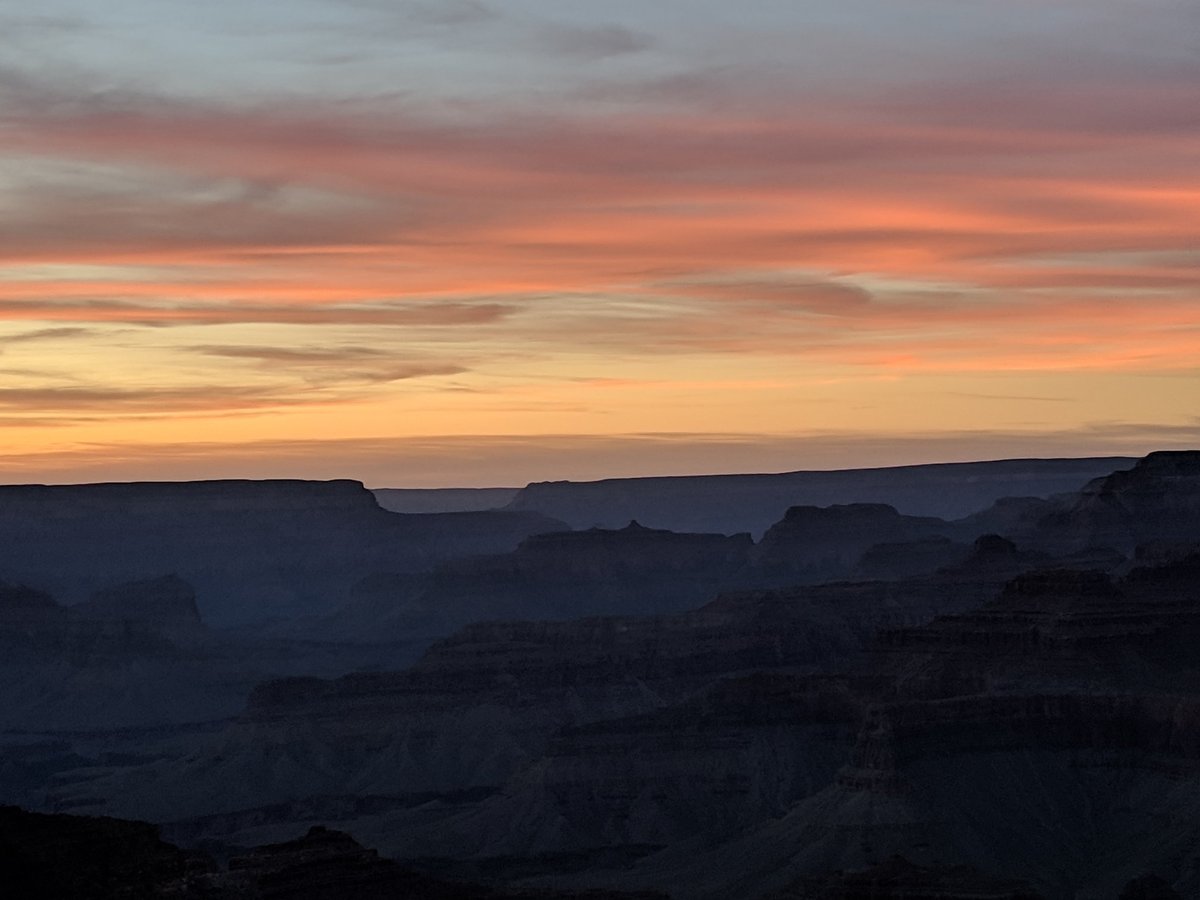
1157	500
1069	704
252	549
53	857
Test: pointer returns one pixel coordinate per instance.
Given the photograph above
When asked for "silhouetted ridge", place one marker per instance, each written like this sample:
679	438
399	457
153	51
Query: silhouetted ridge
54	857
253	550
229	495
752	503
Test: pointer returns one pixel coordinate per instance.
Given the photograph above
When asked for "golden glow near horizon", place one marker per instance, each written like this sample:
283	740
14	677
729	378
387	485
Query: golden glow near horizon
356	239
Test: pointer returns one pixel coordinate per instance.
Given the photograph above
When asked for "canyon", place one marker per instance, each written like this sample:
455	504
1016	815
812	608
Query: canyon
1000	703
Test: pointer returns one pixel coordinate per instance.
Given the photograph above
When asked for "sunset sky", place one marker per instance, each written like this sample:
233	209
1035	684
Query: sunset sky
481	243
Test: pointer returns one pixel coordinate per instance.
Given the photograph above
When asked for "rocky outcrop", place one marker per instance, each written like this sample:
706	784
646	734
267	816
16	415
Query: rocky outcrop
55	857
52	857
752	503
898	879
1157	500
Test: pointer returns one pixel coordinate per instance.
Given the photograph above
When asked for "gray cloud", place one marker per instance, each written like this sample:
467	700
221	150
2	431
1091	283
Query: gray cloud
168	400
592	42
46	334
294	355
334	365
400	313
423	12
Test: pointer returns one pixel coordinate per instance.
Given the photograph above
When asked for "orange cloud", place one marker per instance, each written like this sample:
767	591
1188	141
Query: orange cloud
958	228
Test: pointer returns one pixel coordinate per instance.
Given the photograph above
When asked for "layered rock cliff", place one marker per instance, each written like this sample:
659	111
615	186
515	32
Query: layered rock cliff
1052	736
1158	500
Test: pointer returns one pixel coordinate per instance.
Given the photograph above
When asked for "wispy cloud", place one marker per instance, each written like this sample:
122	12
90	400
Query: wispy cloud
593	41
303	312
45	334
555	186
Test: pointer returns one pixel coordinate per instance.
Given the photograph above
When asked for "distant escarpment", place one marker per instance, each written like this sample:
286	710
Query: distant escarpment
639	570
752	503
251	549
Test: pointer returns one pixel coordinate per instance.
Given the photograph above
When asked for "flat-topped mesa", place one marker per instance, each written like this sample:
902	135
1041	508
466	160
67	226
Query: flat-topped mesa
155	497
1167	464
1167	479
815	542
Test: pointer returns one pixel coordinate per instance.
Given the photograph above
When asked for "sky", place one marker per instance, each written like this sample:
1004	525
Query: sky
475	242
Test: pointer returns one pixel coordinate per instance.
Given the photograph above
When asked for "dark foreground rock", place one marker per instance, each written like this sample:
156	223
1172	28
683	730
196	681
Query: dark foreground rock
898	879
58	857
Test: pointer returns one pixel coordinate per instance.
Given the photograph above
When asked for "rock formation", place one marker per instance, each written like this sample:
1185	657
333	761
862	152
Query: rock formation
1157	500
558	575
813	544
